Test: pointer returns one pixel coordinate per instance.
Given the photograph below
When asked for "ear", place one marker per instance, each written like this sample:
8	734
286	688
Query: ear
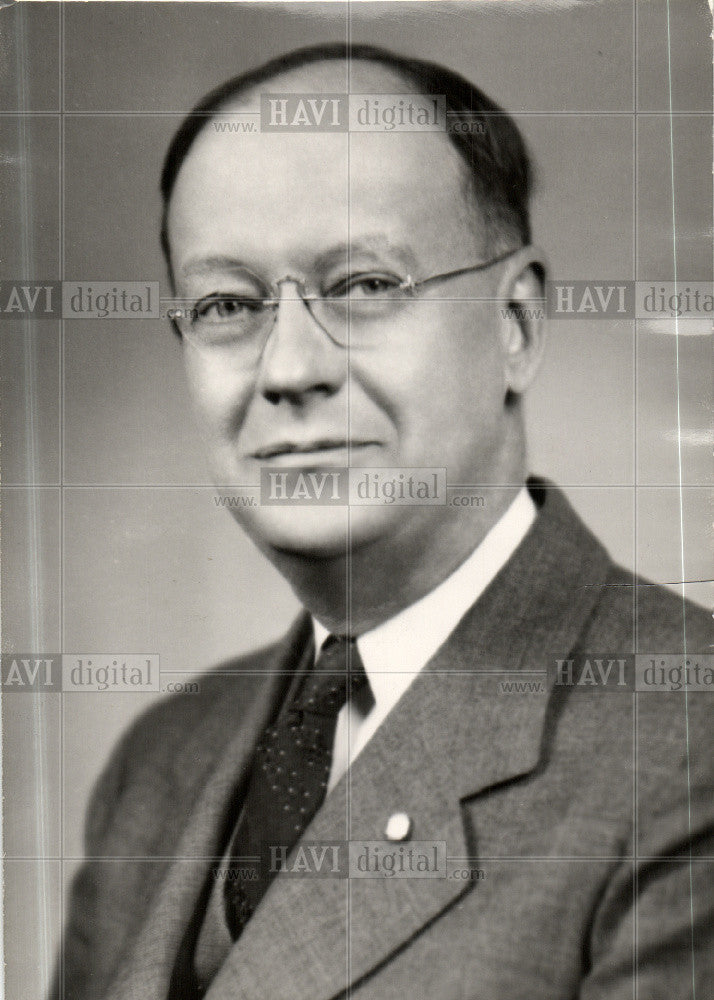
521	294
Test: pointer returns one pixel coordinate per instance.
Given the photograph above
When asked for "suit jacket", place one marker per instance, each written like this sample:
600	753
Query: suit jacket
585	814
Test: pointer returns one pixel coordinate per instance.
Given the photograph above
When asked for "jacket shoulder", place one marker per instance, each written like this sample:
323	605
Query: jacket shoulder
662	734
208	701
166	753
657	619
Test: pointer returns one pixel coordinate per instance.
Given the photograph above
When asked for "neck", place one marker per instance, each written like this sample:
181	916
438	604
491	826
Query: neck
357	590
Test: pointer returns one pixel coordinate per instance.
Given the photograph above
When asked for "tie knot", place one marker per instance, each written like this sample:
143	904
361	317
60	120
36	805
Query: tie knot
338	674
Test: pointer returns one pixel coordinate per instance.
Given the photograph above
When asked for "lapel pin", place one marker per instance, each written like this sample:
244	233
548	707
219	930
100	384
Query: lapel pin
398	827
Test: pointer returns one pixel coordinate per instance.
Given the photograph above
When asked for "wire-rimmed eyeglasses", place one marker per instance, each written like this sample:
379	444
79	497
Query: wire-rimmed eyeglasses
348	311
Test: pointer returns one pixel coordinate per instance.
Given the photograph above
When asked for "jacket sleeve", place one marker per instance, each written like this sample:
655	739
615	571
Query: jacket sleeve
653	934
74	978
136	817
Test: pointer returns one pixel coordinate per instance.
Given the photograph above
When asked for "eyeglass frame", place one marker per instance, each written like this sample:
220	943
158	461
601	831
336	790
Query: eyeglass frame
306	297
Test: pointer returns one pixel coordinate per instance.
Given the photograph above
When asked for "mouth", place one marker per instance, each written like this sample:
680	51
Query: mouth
317	447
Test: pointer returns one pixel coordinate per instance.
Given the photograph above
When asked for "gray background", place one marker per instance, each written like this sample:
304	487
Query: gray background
111	538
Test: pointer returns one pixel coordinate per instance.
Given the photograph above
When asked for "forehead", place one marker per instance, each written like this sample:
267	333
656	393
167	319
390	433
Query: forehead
280	195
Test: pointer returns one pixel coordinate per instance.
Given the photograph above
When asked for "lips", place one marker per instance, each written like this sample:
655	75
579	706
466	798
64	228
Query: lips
310	447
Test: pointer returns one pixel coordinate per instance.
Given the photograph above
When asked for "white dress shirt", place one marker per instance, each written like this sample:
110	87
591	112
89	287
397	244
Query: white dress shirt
394	652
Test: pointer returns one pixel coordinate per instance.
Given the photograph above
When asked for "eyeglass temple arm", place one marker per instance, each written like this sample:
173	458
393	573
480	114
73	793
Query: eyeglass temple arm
410	285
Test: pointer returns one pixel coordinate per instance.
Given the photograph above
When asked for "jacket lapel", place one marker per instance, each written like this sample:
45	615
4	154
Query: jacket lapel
147	971
452	736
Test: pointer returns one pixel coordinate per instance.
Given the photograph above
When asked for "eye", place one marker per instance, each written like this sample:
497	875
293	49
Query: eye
369	285
224	307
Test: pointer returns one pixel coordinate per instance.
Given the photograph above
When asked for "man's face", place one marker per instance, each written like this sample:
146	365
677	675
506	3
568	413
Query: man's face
428	391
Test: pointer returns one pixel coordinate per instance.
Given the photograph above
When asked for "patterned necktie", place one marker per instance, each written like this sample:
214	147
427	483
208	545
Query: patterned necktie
289	777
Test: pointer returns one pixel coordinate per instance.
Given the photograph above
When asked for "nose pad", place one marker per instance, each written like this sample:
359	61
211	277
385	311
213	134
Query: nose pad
299	286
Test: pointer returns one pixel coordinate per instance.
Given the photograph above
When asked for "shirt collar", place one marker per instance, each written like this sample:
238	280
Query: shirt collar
394	652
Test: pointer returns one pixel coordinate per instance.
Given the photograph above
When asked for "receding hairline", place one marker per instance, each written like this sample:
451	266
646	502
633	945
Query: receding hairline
384	72
495	174
246	96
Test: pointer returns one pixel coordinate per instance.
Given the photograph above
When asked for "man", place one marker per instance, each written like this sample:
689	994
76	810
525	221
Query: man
356	300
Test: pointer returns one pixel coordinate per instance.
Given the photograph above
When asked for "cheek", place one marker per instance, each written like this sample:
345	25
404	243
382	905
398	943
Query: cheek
454	379
219	395
472	370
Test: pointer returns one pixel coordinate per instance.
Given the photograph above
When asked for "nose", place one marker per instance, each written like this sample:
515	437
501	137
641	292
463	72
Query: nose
300	359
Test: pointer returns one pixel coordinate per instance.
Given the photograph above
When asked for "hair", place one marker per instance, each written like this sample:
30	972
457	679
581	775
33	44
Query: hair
498	168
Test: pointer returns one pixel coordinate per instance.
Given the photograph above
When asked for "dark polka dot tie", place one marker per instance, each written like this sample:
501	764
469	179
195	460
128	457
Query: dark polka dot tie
289	778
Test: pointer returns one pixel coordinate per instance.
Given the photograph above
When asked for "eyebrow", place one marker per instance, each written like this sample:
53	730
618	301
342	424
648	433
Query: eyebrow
209	265
371	245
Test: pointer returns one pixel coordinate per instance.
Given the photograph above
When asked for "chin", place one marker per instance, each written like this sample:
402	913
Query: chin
314	532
